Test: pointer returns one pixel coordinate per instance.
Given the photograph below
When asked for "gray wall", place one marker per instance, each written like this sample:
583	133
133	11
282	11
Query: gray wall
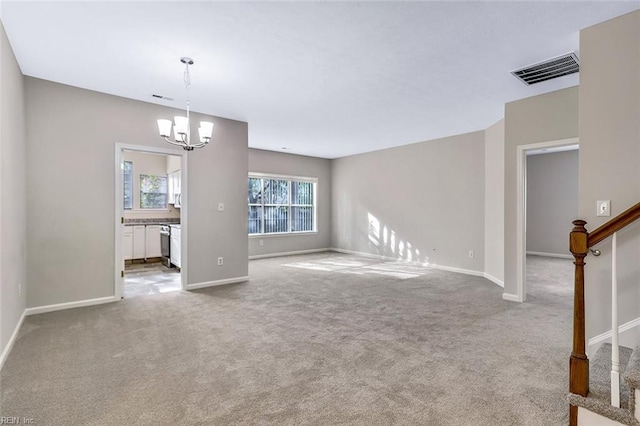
12	192
609	159
494	202
71	141
552	201
549	117
421	202
261	161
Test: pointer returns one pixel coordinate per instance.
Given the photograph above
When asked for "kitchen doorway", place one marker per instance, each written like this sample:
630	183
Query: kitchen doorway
150	220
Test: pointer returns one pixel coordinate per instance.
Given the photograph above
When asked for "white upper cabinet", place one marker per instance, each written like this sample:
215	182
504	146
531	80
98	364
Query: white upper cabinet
174	185
171	195
173	163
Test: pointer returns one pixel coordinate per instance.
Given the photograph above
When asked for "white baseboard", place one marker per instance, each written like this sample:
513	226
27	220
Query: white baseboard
629	336
287	253
458	270
217	283
70	305
12	339
363	254
494	279
511	297
561	256
394	259
376	256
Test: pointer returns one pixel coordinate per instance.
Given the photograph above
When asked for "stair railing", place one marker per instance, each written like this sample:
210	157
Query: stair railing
580	242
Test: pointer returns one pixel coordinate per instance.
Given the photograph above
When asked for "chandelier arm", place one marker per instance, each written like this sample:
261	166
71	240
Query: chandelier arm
200	145
185	145
172	142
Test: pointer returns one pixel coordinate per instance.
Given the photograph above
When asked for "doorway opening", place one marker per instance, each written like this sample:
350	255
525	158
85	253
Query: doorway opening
150	207
547	203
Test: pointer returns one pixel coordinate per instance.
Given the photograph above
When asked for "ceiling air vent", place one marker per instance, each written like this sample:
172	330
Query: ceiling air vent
162	97
549	69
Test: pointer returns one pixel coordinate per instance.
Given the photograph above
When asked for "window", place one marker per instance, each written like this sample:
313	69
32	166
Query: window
127	179
153	192
281	205
301	206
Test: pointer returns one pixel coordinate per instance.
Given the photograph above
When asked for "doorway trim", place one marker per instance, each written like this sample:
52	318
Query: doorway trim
119	211
521	209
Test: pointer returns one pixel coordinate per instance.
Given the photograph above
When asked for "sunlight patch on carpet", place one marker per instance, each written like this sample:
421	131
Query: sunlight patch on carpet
363	266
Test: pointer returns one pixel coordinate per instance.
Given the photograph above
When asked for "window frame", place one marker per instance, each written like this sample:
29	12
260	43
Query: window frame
131	185
289	205
166	194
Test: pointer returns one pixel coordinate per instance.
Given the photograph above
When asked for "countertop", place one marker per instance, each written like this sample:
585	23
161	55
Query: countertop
165	221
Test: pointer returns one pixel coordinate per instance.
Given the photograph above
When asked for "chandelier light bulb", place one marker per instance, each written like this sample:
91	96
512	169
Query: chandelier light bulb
164	127
205	131
182	124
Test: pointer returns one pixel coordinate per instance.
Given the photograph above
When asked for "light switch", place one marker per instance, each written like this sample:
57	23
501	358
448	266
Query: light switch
604	208
220	207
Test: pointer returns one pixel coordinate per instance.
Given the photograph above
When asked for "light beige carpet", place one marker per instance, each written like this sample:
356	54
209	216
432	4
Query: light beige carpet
319	339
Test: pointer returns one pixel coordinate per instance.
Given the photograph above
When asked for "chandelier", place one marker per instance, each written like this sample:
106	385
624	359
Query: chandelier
182	127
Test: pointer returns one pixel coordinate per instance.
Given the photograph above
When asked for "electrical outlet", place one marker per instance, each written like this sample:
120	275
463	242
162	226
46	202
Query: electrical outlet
261	242
220	261
471	254
20	290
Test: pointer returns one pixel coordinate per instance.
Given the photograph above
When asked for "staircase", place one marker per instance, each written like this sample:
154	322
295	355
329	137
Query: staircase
596	408
597	396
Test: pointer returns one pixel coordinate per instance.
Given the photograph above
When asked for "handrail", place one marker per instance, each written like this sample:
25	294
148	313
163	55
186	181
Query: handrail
625	218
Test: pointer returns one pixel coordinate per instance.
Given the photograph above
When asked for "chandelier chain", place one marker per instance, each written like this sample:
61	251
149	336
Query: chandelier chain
187	76
187	85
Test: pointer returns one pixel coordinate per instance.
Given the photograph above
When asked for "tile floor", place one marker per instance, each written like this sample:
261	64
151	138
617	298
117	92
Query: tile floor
144	279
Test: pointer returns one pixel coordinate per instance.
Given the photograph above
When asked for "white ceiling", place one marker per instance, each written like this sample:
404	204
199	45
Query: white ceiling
326	79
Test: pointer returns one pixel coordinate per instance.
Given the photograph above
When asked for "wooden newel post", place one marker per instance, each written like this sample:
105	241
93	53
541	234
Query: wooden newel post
578	363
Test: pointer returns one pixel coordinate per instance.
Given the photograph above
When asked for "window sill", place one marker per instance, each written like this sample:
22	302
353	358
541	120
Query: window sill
283	234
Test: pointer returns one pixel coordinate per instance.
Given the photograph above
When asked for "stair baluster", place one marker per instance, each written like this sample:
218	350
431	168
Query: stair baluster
615	339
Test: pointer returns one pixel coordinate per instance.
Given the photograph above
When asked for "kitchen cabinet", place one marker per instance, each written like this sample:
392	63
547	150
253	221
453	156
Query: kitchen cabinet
141	242
139	246
174	162
174	184
127	243
171	195
177	182
152	241
175	245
